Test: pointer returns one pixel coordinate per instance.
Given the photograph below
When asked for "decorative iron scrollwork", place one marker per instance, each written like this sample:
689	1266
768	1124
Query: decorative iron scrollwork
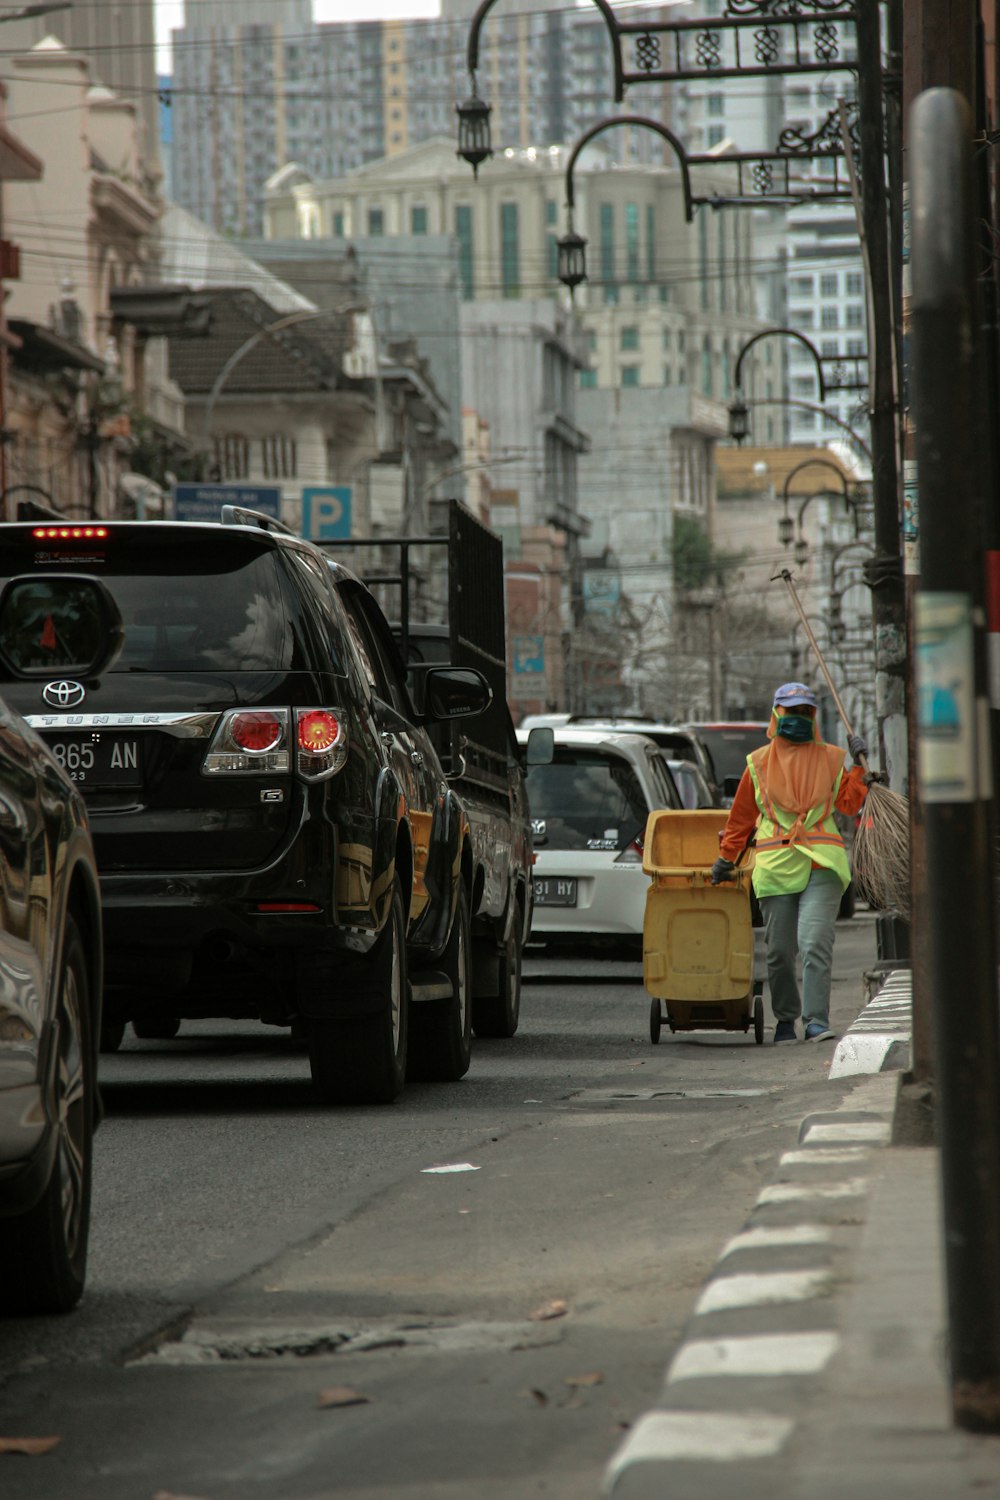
647	53
708	49
767	46
826	42
762	176
826	141
769	8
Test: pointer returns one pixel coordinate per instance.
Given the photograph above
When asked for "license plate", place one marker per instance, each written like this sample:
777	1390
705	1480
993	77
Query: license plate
96	758
552	891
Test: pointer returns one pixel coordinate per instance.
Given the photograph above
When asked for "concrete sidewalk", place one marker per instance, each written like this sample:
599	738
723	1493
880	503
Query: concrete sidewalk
813	1366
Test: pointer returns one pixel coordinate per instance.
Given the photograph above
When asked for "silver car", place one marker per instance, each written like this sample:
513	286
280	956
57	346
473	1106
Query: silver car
590	793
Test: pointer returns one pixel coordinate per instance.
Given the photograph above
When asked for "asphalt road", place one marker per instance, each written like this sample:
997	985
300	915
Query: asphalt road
251	1249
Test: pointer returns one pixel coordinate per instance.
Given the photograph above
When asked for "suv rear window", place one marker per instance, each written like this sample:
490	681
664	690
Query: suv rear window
208	603
587	799
729	745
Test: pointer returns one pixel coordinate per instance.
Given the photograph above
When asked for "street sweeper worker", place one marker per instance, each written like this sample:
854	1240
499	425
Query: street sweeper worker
789	792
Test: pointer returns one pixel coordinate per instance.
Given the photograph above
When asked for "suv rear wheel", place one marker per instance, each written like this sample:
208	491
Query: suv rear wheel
364	1061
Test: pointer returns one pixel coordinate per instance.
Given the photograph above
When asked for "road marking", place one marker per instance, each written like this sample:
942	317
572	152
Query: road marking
767	1354
875	1132
757	1289
769	1239
723	1437
789	1192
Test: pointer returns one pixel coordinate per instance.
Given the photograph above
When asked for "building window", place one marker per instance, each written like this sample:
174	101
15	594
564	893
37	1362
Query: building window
418	219
706	366
607	222
231	454
463	233
588	380
801	286
853	283
338	224
830	317
681	341
703	259
592	339
551	211
802	317
664	294
632	241
716	104
720	268
828	285
828	349
854	315
668	375
855	346
715	135
630	375
376	222
279	459
629	337
668	338
510	275
651	242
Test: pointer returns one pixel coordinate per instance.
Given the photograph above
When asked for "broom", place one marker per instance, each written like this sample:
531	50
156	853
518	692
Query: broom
881	852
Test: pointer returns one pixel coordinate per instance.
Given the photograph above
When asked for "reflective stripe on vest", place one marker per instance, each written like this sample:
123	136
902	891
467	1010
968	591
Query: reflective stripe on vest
781	868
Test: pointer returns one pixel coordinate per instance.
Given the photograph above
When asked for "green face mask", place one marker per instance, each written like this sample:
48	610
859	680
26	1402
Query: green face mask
796	727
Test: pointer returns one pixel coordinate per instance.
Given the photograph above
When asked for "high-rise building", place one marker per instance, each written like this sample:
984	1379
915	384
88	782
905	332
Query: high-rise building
253	95
118	40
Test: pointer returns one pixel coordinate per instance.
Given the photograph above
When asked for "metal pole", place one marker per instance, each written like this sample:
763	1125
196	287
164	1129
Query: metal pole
884	573
953	731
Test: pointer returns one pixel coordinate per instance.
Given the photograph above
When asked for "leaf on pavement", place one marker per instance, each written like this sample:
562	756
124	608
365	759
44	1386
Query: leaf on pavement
340	1395
32	1447
538	1396
592	1377
557	1308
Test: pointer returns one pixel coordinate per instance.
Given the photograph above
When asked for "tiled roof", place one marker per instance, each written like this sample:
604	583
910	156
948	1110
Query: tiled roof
294	359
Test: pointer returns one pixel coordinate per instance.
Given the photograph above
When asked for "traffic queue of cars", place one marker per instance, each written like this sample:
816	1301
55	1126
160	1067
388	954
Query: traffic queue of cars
221	725
220	797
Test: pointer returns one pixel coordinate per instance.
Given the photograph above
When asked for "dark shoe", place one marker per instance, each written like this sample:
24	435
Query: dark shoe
785	1032
816	1031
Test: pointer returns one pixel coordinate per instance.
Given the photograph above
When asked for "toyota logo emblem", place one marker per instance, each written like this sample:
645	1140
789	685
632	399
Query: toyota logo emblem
64	694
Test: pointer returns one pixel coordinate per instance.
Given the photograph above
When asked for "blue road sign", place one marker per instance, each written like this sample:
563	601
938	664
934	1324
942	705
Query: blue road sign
204	502
528	653
326	512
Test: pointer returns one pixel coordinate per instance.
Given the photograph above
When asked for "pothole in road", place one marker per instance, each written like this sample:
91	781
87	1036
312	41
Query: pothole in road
206	1343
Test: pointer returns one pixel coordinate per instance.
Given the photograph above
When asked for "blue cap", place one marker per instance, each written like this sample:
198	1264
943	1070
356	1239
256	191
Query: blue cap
791	693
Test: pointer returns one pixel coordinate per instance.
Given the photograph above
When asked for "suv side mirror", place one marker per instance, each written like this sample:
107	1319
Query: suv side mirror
58	624
541	746
454	693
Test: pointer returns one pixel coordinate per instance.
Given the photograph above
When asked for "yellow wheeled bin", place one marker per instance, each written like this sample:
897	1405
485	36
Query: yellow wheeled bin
697	938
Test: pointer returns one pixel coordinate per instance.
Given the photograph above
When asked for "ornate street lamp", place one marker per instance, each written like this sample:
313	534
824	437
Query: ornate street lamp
572	263
474	130
739	419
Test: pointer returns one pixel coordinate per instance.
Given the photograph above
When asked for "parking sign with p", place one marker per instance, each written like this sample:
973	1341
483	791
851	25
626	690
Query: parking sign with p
326	512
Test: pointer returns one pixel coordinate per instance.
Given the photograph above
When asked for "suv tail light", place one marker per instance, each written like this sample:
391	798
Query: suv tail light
321	737
250	742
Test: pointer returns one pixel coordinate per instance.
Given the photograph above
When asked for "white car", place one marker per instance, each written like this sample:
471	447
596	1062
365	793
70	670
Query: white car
589	800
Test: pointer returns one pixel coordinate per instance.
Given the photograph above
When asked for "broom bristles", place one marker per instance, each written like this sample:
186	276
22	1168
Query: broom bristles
881	852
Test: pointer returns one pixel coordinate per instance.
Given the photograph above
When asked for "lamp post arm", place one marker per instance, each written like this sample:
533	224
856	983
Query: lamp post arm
819	411
788	333
643	122
472	47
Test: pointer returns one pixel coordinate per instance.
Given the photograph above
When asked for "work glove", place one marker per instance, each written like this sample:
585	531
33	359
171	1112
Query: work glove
857	746
722	870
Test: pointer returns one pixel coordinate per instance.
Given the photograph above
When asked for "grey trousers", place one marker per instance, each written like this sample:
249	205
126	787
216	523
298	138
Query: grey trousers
805	924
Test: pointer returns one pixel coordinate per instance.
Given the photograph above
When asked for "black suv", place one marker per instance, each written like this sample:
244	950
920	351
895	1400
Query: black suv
274	833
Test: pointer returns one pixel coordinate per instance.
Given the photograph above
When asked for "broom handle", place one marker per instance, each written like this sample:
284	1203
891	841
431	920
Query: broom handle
787	578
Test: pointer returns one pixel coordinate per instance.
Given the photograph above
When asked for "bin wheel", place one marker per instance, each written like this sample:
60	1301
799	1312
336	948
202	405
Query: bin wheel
655	1021
758	1020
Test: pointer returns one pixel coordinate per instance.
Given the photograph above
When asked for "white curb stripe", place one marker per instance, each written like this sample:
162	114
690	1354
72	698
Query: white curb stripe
766	1354
758	1289
725	1437
788	1192
874	1131
769	1239
821	1156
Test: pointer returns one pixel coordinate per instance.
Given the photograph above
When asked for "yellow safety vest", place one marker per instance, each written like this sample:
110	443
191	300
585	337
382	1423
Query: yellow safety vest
781	868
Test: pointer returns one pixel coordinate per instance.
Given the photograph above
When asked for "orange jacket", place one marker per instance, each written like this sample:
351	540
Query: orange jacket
744	812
